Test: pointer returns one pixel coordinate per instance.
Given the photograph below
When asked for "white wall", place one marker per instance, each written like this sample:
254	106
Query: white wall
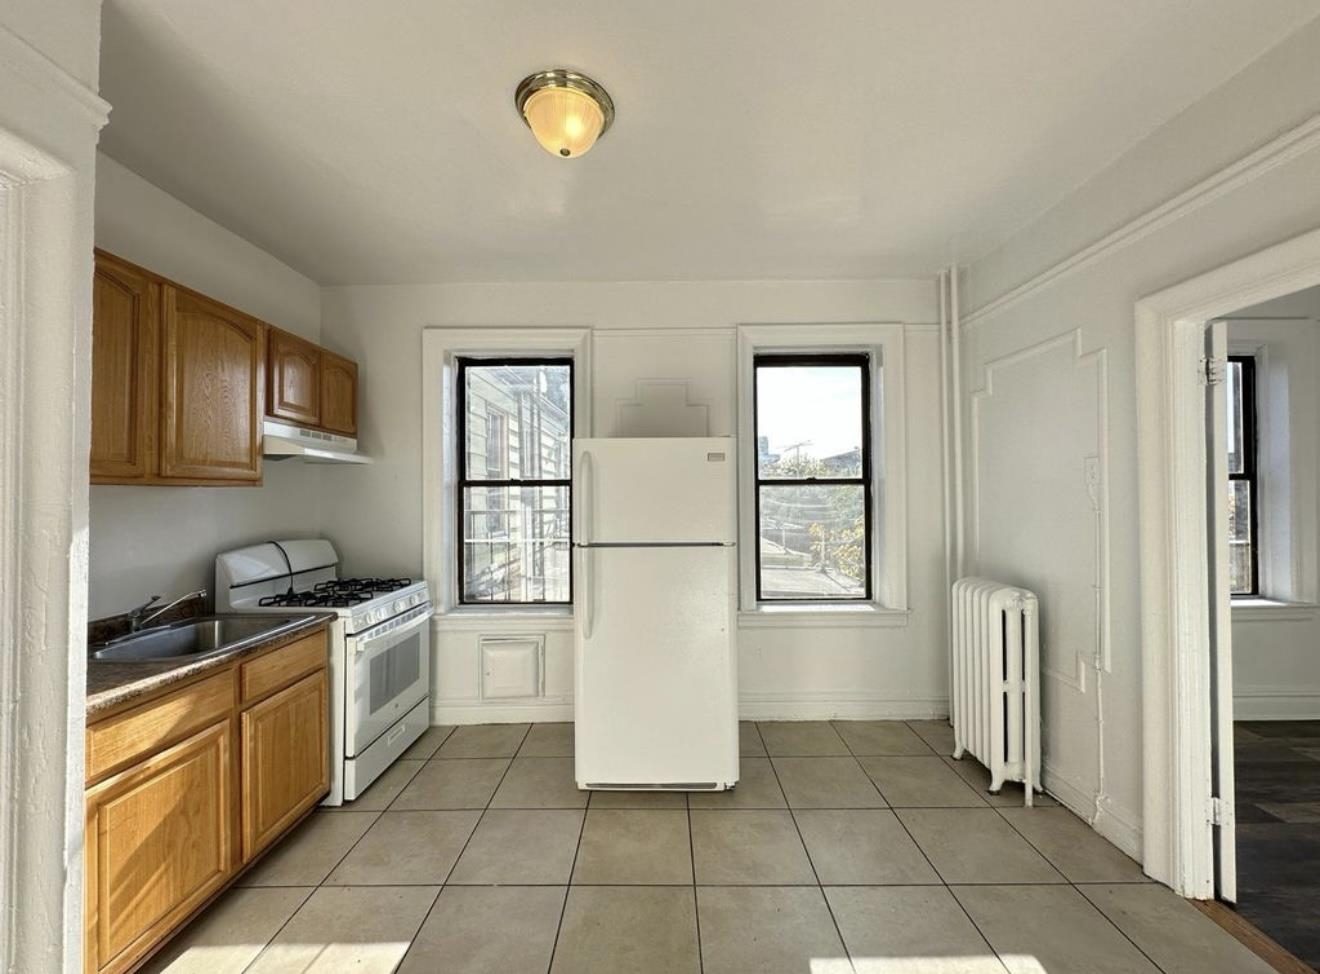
648	331
163	540
50	117
1054	309
1276	648
68	32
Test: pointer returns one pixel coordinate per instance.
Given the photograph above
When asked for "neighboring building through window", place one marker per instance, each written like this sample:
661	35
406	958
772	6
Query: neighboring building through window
515	432
1244	486
813	477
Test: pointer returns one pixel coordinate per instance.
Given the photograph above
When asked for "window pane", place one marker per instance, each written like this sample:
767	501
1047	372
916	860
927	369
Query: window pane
1241	580
515	544
517	423
813	542
809	421
1233	387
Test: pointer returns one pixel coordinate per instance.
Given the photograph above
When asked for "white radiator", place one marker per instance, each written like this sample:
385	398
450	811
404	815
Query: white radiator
995	696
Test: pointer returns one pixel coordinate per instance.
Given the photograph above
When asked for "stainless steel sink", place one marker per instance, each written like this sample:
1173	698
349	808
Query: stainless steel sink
193	638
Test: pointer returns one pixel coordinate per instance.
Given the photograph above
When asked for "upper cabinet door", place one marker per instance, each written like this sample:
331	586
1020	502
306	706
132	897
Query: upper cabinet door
212	387
294	367
338	393
125	331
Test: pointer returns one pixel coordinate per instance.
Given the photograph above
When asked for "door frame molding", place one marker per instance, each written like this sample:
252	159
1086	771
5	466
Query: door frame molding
49	123
1177	837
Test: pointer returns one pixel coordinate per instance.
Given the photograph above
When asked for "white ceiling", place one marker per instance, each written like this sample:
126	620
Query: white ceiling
755	139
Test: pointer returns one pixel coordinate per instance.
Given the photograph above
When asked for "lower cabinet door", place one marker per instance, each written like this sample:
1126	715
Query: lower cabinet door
286	760
159	842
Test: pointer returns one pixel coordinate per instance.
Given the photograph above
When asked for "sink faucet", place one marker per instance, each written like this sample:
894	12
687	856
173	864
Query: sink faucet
138	618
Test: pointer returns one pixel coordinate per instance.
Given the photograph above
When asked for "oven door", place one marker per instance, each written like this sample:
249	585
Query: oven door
389	673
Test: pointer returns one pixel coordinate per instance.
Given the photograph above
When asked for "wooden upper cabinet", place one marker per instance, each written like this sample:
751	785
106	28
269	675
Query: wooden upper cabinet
181	383
212	390
338	393
294	371
125	332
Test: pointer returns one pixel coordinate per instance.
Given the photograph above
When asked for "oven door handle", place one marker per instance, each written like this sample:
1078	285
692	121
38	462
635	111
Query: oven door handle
388	637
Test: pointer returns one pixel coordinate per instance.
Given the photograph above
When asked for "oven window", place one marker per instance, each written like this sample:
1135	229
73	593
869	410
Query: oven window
515	424
394	671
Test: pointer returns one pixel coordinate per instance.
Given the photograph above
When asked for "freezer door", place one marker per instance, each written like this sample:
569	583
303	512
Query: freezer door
657	490
656	668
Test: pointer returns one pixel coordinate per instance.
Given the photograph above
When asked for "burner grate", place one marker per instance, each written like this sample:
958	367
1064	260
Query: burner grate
340	593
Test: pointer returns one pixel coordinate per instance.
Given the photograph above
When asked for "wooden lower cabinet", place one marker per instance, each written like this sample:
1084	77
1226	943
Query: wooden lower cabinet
159	843
285	760
187	788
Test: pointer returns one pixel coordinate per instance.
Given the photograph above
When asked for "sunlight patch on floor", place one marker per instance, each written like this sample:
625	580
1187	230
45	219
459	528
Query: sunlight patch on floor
966	964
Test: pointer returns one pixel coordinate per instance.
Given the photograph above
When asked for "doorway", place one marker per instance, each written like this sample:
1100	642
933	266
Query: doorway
1187	679
1270	395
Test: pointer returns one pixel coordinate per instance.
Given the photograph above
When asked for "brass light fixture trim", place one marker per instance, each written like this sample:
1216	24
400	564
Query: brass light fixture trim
566	79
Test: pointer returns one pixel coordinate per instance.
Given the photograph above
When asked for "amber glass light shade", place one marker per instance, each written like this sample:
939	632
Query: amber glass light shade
567	112
566	122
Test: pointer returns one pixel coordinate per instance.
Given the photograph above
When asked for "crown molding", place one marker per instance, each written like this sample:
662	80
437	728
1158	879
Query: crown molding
1292	144
23	59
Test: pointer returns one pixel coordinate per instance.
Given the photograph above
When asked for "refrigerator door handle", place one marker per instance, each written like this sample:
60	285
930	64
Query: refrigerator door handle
588	621
582	498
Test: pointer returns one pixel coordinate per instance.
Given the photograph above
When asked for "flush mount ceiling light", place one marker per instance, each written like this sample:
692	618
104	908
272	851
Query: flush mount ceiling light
566	111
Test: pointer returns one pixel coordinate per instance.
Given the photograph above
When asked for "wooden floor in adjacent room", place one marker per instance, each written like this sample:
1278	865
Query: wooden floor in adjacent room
1277	769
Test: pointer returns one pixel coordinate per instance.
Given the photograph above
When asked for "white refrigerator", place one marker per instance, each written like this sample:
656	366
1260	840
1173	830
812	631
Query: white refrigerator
655	564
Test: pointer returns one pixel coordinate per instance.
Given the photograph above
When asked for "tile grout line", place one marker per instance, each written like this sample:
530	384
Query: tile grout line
820	888
999	811
340	861
310	892
672	885
1068	881
568	887
692	856
1122	933
944	883
475	826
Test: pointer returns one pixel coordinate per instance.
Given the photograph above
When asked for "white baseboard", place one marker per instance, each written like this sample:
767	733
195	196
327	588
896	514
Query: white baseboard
470	711
1120	826
751	706
1070	794
825	705
1276	703
1116	824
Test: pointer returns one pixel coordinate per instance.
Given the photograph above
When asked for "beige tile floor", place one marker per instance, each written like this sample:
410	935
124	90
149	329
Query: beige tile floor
851	847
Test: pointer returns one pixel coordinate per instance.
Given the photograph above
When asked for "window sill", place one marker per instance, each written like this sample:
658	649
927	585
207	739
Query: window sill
816	616
1272	610
520	619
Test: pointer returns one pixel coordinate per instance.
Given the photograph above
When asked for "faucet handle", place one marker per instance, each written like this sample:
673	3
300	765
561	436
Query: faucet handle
146	605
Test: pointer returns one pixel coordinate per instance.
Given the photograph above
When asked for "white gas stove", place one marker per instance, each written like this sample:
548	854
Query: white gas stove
380	655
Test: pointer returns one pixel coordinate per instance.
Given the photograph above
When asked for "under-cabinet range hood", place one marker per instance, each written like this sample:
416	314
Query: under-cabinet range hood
281	441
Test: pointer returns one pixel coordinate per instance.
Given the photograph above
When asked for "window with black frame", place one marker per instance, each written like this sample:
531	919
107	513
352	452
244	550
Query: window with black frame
813	477
1244	488
515	430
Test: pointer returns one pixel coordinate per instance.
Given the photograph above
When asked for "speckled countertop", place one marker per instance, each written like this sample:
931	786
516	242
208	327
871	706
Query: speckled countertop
110	684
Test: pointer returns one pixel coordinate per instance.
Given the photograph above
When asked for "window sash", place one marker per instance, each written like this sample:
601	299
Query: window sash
1249	473
463	481
862	362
